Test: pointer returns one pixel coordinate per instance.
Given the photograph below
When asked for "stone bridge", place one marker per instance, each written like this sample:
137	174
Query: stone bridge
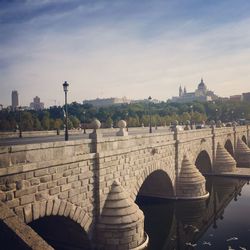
94	182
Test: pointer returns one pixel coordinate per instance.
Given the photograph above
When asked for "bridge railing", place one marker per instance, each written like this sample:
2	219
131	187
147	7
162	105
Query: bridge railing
224	130
187	135
131	141
31	153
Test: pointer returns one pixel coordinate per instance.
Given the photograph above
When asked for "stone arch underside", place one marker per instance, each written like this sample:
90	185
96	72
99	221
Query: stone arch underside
203	162
58	207
61	232
157	184
229	147
244	139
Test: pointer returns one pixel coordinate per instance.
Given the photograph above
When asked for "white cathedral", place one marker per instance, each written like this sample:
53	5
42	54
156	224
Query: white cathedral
201	94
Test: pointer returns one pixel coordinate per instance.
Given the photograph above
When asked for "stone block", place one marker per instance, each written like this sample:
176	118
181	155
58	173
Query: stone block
64	195
72	178
42	187
67	173
42	208
62	181
62	207
72	211
73	192
54	190
26	199
5	212
67	209
29	175
19	212
56	206
13	203
65	187
76	214
27	213
36	211
22	184
49	207
56	176
52	184
35	181
45	179
27	191
41	172
9	195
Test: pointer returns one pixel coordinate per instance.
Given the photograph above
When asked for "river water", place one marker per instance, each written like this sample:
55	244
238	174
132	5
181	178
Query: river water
220	222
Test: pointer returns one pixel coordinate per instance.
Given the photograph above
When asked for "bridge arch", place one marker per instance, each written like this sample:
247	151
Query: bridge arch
60	208
203	162
244	139
155	184
229	147
61	232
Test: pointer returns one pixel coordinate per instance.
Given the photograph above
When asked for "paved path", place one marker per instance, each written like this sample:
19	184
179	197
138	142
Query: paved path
240	172
78	136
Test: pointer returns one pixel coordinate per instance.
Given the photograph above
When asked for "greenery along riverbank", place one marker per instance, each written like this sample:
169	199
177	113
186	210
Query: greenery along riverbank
135	114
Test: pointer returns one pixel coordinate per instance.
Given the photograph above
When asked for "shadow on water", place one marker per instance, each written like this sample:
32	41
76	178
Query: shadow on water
186	224
61	233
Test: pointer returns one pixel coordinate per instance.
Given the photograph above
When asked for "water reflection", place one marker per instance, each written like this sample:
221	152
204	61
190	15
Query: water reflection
192	224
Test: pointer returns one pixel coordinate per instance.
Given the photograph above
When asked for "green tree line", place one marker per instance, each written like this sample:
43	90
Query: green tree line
135	114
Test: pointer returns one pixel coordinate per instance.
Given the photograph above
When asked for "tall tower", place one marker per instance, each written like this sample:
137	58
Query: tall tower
185	91
14	99
180	91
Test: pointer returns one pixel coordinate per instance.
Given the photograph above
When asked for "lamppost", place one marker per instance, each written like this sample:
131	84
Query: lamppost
65	88
84	128
127	119
216	115
20	122
150	118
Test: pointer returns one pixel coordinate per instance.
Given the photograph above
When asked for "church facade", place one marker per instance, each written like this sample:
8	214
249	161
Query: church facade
200	94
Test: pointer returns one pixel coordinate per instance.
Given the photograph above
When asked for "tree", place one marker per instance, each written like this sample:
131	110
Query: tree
109	122
75	121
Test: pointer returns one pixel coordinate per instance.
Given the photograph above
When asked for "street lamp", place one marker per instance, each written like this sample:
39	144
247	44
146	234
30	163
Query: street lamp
216	115
150	118
84	129
20	122
127	119
65	89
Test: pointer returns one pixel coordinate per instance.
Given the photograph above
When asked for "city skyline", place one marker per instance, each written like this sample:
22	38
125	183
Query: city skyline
122	48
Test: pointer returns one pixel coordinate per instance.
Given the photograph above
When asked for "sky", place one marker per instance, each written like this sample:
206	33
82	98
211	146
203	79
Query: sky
116	48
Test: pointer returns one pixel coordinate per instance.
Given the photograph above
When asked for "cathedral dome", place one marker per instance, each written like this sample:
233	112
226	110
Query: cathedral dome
202	85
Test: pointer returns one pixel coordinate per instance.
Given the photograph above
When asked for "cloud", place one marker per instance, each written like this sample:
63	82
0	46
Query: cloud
114	49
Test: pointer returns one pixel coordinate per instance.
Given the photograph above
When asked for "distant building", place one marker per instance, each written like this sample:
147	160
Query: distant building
14	99
246	97
107	101
1	107
201	94
237	98
36	104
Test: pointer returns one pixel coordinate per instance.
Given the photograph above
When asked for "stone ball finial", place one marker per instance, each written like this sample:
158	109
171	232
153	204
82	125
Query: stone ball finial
95	124
122	124
212	122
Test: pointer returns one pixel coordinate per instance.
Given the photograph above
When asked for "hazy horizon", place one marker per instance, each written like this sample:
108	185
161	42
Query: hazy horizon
122	48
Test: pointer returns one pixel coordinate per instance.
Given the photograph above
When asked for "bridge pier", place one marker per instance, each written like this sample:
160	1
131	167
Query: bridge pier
121	223
190	182
242	154
224	162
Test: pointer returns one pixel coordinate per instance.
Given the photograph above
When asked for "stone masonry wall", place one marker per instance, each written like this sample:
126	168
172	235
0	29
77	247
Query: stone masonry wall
191	143
33	189
133	160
